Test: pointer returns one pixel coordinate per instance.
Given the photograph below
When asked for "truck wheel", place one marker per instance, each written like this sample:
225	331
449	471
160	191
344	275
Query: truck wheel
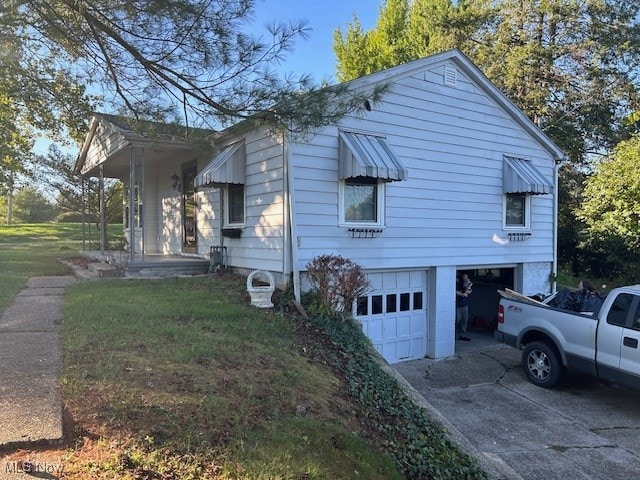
542	364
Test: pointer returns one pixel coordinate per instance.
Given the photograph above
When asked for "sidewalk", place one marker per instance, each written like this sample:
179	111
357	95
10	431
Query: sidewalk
31	364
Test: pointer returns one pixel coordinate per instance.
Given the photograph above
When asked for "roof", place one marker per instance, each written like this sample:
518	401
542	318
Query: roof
141	132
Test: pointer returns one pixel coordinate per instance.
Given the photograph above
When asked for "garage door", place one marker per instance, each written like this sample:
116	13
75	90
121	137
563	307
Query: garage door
394	314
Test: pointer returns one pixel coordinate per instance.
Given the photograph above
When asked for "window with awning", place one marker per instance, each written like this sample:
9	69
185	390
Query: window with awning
522	176
227	167
367	155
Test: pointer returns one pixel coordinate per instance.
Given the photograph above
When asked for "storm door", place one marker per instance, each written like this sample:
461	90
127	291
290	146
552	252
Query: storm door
189	214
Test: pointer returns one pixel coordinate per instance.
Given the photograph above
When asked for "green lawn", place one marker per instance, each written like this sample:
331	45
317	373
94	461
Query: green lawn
182	379
33	250
190	381
29	250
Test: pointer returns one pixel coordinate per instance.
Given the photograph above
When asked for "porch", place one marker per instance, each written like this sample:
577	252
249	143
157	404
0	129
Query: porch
149	265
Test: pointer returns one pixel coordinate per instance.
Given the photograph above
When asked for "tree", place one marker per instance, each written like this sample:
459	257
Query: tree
406	30
611	210
570	255
32	206
56	171
158	60
571	66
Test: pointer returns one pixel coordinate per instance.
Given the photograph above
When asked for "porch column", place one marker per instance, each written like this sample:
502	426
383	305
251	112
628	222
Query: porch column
83	214
141	200
132	193
103	216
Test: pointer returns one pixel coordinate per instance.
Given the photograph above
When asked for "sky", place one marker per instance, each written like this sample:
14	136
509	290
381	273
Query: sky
315	55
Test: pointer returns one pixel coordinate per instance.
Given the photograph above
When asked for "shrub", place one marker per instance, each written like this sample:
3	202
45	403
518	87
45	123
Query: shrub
338	282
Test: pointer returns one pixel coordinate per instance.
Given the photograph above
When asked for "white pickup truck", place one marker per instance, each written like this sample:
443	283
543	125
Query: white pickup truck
603	344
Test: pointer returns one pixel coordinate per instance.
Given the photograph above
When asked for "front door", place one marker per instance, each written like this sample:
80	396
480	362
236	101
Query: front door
189	214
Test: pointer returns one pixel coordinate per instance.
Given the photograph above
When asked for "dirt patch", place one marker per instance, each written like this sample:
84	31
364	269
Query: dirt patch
79	262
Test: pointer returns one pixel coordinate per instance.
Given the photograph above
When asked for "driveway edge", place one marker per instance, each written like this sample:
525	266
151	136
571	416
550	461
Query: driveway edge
492	465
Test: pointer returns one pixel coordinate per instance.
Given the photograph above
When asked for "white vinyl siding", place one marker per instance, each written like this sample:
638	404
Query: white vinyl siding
452	142
261	244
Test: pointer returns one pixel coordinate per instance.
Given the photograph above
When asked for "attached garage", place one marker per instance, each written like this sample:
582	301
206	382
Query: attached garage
394	314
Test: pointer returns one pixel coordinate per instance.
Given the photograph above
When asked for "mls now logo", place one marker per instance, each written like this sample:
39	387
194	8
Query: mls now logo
31	468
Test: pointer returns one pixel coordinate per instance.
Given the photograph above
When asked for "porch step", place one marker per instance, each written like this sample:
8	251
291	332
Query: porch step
104	270
167	269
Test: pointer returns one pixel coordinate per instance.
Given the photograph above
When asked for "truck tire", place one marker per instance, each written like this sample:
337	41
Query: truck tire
542	364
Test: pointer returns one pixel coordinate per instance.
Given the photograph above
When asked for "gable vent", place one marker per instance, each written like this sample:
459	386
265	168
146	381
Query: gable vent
450	75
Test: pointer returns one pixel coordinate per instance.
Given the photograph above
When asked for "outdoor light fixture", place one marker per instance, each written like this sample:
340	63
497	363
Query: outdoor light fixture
175	181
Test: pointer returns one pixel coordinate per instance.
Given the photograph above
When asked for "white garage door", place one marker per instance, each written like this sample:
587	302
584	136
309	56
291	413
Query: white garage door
394	314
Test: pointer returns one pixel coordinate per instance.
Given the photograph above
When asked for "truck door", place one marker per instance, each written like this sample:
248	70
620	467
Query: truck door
630	352
609	339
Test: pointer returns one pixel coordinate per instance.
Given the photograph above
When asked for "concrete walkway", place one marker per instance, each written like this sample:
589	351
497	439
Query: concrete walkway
31	364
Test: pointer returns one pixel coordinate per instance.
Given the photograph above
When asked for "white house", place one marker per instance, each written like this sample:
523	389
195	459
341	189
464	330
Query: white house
444	175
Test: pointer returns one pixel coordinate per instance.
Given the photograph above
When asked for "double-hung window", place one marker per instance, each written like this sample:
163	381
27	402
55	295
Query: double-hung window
367	163
363	201
234	205
517	211
521	180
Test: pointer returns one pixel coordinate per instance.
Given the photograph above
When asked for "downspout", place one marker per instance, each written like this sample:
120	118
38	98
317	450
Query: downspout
83	214
293	243
286	231
556	194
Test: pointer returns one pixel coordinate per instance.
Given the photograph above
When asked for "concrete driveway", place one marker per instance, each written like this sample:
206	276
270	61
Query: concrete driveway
581	430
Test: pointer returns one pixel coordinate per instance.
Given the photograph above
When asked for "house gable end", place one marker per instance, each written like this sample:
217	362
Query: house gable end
469	78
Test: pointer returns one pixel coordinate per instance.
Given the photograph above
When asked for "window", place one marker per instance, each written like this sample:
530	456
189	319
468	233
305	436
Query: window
619	311
362	199
393	303
636	319
234	205
516	208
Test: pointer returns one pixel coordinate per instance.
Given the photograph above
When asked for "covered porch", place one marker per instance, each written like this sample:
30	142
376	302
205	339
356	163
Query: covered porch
157	164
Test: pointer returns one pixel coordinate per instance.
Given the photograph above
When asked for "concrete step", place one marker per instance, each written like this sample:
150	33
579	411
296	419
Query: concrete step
105	270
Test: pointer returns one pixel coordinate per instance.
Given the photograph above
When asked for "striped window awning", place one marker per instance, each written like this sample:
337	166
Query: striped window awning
365	155
227	167
521	176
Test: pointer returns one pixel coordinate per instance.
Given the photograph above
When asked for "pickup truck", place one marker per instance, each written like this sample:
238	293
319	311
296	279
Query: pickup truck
603	344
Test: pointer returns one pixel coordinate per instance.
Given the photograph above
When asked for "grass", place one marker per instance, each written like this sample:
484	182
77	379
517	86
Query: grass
33	250
28	250
567	280
184	369
181	379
